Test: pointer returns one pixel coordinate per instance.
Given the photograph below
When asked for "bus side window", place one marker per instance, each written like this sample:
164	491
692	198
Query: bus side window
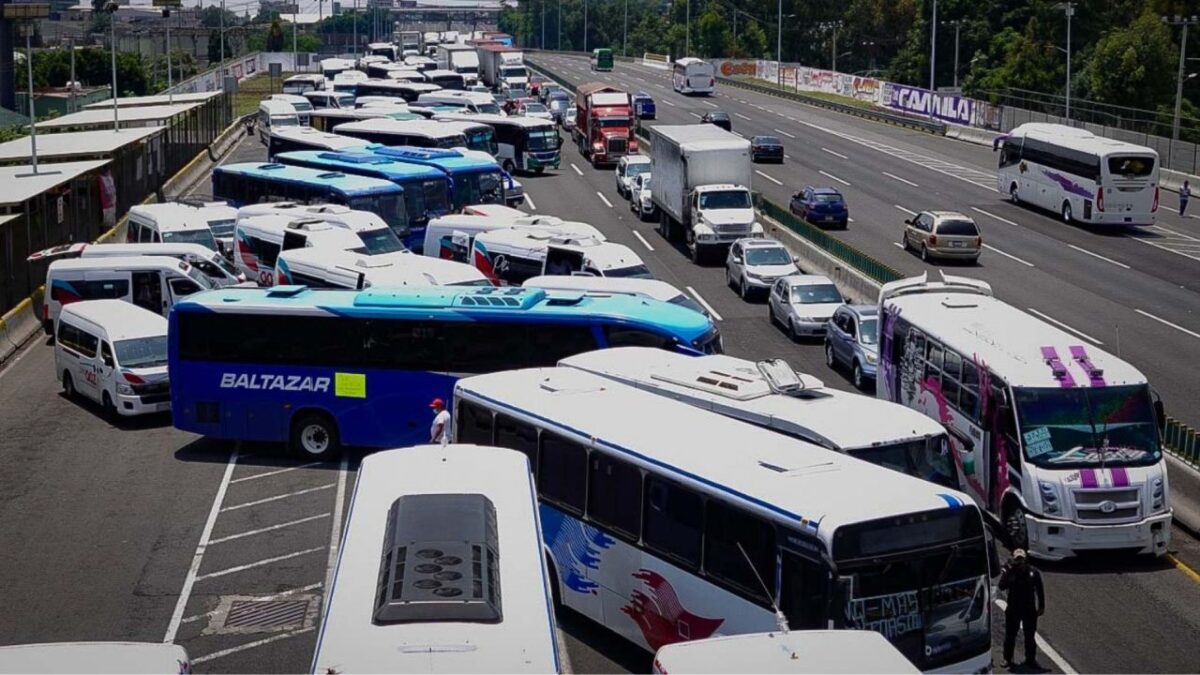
517	435
620	336
615	495
549	343
802	596
473	424
728	532
562	473
673	522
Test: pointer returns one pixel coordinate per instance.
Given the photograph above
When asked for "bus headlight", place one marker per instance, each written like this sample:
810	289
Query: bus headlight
1158	495
1049	496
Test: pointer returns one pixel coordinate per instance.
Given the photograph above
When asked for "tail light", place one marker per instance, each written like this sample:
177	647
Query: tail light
979	242
933	240
1100	199
45	312
132	379
712	82
1154	207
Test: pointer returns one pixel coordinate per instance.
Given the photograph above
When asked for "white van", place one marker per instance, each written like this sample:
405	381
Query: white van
323	268
213	265
181	223
261	238
130	658
451	237
377	238
642	288
326	99
511	256
115	354
298	84
469	101
154	283
302	105
273	113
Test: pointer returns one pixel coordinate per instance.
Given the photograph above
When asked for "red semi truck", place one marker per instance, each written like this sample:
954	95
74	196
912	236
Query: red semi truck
603	123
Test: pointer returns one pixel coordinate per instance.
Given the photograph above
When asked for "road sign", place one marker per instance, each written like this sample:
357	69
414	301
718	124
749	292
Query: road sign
26	10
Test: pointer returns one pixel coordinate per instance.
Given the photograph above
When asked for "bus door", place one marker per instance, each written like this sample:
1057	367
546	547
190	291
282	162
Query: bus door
562	261
148	292
1004	451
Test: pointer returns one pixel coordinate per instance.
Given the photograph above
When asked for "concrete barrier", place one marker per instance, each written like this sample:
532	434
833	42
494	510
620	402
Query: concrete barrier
659	61
20	324
971	134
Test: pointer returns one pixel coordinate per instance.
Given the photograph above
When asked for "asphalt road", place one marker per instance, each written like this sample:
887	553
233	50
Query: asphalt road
141	532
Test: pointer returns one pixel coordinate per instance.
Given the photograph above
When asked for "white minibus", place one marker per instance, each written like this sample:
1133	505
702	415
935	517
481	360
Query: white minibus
154	283
327	99
326	268
1054	437
450	237
180	223
367	225
1078	175
805	652
213	265
510	256
260	239
273	114
102	658
690	75
114	354
441	568
470	101
302	105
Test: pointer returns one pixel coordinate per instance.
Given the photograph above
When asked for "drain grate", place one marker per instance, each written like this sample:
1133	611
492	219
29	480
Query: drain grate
273	614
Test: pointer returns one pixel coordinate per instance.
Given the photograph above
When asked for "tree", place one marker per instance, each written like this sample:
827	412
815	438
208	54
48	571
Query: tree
713	37
210	17
1018	61
214	46
751	41
274	41
1134	65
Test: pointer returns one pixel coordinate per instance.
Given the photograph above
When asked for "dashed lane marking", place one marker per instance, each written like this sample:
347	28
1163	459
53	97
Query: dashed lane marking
704	303
833	177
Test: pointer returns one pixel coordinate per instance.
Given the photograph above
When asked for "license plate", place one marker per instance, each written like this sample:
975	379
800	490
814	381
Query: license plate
956	244
829	218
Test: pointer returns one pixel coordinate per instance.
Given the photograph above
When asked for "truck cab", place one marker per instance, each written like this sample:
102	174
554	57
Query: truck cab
603	123
721	214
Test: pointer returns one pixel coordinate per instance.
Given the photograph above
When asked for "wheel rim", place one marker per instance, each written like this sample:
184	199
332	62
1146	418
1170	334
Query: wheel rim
314	439
829	355
1012	193
1016	529
924	253
857	376
1066	213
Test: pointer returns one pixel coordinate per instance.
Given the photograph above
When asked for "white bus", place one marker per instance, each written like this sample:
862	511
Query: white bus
805	652
1056	438
441	568
261	238
290	139
693	76
799	405
523	143
695	525
413	133
326	268
452	236
1078	175
511	256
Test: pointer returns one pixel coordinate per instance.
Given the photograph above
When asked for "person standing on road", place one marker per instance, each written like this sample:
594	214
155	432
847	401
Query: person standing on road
1185	193
440	431
1026	602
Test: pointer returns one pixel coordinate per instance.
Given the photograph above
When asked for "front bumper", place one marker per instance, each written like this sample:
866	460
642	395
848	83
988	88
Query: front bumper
137	405
1059	539
760	283
809	327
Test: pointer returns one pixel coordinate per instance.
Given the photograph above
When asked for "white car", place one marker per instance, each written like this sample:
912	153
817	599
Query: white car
640	201
628	168
535	110
753	265
803	304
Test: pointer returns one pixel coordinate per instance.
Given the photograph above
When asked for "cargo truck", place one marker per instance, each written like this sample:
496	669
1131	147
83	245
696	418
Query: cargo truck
460	59
702	187
410	42
502	68
603	123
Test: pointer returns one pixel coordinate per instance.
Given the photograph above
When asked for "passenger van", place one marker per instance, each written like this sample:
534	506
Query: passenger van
261	238
511	256
296	85
469	101
272	114
451	237
327	99
154	283
324	268
642	288
369	227
179	223
302	105
115	354
212	264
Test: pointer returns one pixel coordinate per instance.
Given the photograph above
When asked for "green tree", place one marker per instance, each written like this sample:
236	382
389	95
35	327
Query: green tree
1018	60
274	38
751	41
1134	65
210	17
214	46
712	33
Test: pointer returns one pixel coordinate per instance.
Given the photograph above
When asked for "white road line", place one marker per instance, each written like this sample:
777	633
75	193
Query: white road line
252	645
186	592
833	177
989	214
1049	651
529	200
604	199
1064	326
276	498
902	180
711	105
1165	248
335	531
787	156
897	244
742	116
259	598
259	563
694	114
737	133
577	171
773	180
1170	209
781	131
911	213
260	530
1008	255
1097	255
275	473
1168	323
835	154
704	303
669	103
643	240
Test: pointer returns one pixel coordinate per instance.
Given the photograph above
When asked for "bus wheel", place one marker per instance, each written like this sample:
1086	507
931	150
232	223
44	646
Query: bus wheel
1066	212
68	385
1012	194
1014	527
315	435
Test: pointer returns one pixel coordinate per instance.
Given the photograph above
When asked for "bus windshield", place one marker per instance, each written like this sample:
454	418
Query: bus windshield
543	139
483	139
631	272
378	241
926	459
426	199
389	207
1088	426
485	187
203	237
147	352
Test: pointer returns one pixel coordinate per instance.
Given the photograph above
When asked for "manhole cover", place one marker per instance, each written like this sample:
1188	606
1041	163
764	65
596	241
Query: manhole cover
240	614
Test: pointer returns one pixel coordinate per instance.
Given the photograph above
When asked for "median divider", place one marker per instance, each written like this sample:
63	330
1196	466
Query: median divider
659	61
20	324
1183	441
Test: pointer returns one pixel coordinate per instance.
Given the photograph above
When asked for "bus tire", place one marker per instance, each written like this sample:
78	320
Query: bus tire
315	435
1013	196
1014	525
110	409
68	386
555	590
1067	216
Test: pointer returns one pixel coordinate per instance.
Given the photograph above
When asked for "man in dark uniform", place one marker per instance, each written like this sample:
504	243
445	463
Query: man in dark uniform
1026	602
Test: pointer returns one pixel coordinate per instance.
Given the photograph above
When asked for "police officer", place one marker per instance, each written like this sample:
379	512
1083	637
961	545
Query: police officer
1026	602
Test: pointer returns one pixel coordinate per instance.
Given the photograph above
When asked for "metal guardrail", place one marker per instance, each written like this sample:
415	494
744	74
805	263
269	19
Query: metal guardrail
858	111
1182	441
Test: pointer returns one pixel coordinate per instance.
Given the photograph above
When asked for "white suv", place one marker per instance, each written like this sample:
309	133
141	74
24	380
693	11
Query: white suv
753	265
628	168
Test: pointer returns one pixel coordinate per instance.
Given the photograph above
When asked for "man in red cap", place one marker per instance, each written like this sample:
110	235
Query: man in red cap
440	431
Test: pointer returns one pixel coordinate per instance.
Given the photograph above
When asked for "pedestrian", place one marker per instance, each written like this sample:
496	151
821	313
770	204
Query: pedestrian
1185	193
1026	602
440	431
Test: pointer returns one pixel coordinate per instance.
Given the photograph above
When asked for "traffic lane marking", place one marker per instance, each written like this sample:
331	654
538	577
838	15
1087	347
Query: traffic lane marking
909	212
835	154
276	472
643	240
252	645
604	199
529	200
742	116
1043	645
833	177
257	598
902	180
989	214
1164	322
773	180
704	303
781	131
577	171
276	498
1008	255
1098	256
260	563
270	528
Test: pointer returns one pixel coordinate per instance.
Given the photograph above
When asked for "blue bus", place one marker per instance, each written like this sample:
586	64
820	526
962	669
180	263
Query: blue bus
426	190
320	369
251	183
472	180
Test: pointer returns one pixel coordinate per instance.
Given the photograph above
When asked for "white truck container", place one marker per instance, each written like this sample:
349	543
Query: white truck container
461	59
702	187
502	68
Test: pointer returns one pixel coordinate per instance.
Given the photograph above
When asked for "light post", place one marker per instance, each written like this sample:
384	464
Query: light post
687	38
28	14
1184	21
932	60
779	45
166	14
957	23
111	8
1069	9
221	58
355	22
585	27
625	32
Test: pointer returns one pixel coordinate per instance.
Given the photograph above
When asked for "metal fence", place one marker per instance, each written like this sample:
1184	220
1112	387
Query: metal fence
1182	441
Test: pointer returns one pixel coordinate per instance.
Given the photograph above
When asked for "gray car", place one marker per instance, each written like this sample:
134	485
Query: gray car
851	340
803	304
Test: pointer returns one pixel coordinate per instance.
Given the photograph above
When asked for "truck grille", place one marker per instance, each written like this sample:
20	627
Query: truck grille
733	230
618	146
1108	506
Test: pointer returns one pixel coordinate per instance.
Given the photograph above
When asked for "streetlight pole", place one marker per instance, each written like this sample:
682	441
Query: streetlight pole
71	45
833	61
932	59
585	26
1184	21
957	23
221	60
687	38
560	25
779	45
625	33
32	116
112	23
1069	9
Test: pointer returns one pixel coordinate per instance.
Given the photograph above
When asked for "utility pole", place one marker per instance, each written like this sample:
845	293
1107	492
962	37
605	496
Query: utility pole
1184	21
687	40
112	24
166	14
71	45
779	46
625	34
560	25
585	27
221	62
1069	9
957	23
28	27
355	30
543	45
833	61
933	61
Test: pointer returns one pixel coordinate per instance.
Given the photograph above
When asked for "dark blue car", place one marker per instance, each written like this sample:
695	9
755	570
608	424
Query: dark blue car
821	206
643	106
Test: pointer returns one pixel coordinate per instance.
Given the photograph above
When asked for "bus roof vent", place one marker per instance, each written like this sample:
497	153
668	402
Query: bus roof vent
419	154
285	291
273	166
328	175
354	157
566	298
502	298
441	560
